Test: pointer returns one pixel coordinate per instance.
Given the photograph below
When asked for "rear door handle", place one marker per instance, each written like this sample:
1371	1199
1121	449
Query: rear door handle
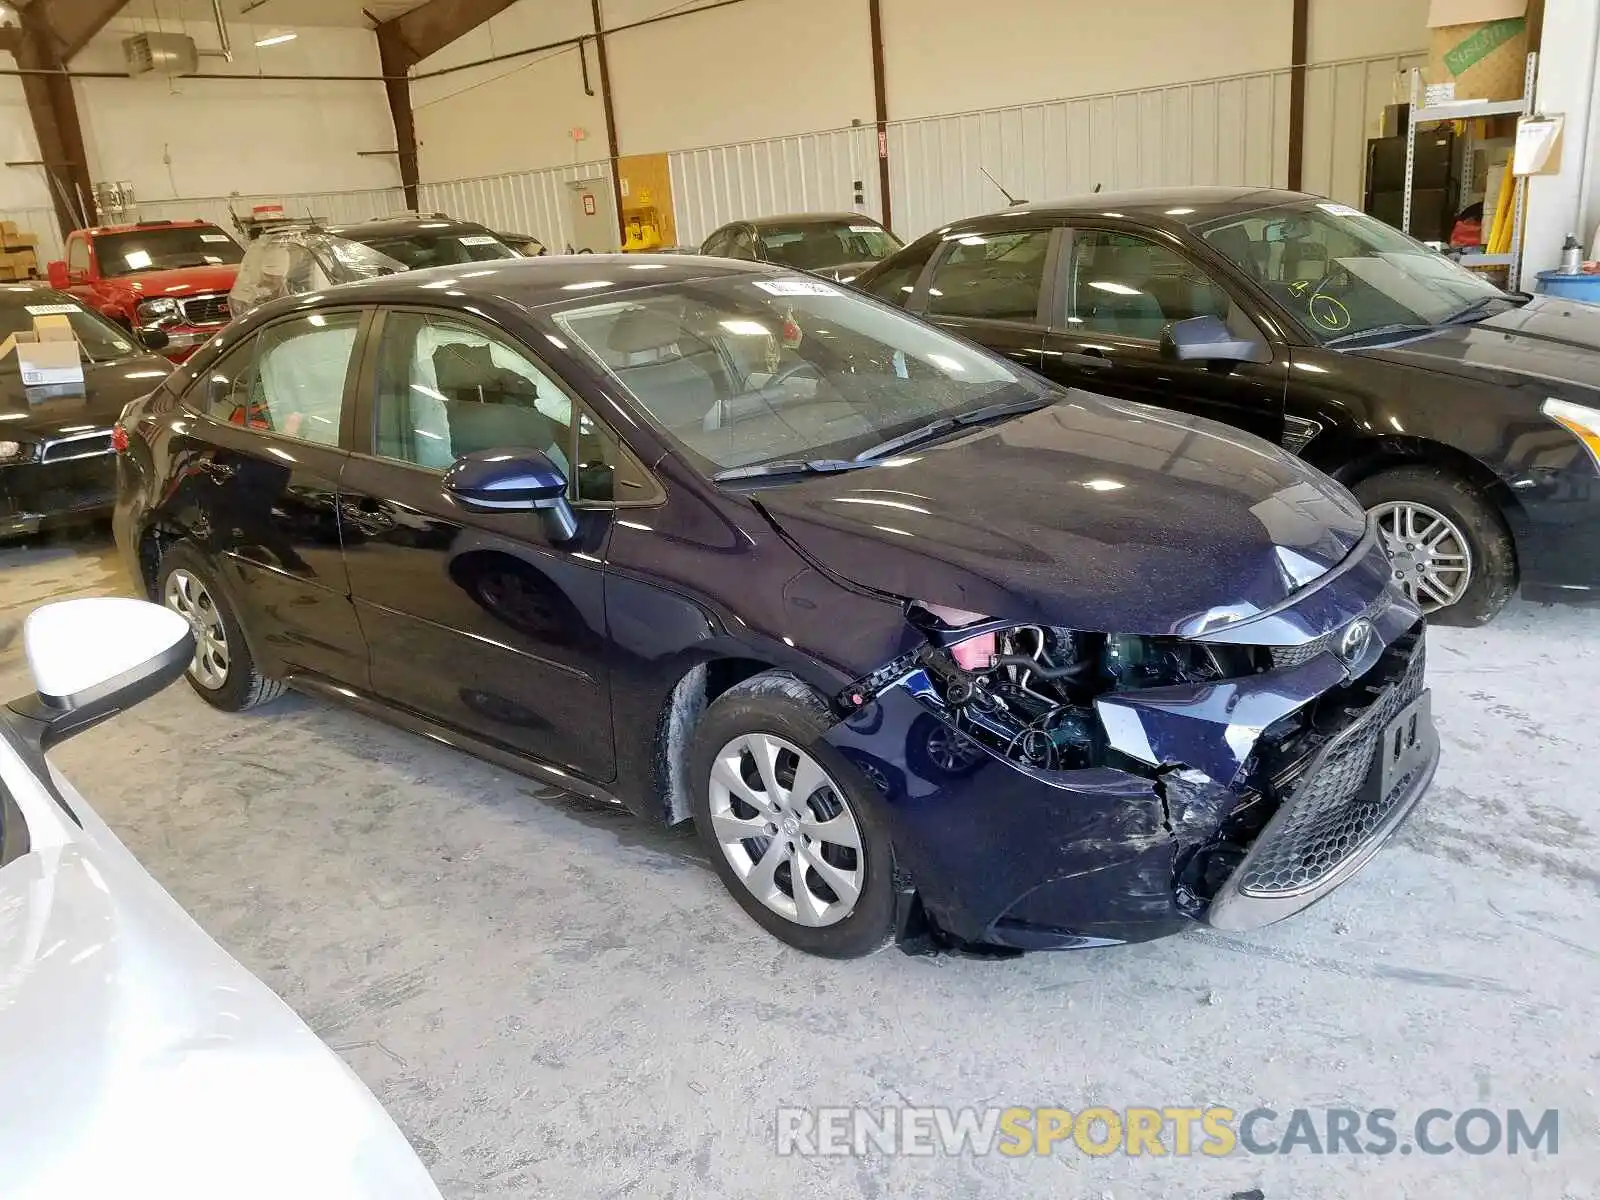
1088	360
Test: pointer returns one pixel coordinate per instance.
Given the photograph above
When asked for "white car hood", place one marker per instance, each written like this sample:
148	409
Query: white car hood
138	1058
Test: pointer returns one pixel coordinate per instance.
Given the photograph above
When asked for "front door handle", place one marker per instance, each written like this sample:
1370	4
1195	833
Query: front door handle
218	472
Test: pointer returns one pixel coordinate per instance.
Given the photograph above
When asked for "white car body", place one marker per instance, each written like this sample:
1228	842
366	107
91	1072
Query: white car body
137	1058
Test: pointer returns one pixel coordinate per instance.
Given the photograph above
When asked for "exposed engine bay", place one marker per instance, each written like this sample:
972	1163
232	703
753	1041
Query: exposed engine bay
1028	692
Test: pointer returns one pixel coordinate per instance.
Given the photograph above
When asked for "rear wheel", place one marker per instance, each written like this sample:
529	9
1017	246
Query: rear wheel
222	671
790	825
1449	547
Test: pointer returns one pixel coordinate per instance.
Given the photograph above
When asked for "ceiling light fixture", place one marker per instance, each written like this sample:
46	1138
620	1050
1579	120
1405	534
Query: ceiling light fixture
277	38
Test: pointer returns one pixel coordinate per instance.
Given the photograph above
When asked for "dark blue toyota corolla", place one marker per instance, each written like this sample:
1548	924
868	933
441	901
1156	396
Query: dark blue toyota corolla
926	647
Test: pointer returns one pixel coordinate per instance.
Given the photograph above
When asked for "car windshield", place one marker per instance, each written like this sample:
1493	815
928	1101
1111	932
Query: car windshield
753	369
1345	275
448	246
162	248
98	339
815	246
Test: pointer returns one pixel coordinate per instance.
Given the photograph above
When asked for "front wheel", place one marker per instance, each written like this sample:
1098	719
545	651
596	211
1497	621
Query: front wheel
791	827
1451	551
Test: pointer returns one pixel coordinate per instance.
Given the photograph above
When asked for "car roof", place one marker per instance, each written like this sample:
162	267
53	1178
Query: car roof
140	226
532	282
400	225
807	218
1181	207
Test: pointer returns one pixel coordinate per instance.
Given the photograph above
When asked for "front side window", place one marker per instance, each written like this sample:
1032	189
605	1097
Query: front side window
819	245
1129	285
991	276
165	248
1342	274
440	247
446	387
757	368
289	379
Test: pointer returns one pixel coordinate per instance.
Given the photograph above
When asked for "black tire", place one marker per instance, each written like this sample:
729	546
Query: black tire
777	703
1493	578
244	685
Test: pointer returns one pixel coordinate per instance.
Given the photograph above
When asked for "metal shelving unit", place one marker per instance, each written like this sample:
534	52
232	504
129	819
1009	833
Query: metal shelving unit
1468	110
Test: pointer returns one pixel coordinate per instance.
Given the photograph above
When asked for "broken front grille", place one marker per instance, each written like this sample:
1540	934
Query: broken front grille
1293	656
1331	814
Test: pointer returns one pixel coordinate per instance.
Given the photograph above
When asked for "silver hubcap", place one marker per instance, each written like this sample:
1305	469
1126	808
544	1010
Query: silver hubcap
786	829
1431	557
187	596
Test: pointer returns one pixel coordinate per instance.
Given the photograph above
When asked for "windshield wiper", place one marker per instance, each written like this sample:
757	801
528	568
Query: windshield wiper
1380	331
1474	310
943	425
789	466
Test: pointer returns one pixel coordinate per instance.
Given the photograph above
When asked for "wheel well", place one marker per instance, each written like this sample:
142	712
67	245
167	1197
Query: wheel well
697	688
1386	452
152	545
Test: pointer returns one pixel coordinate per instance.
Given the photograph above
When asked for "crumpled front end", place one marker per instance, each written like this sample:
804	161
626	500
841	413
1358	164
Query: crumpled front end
1052	788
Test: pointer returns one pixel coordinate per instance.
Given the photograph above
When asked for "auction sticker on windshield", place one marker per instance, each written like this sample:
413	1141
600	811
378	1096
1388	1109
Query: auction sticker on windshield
795	287
476	239
215	237
51	310
1340	210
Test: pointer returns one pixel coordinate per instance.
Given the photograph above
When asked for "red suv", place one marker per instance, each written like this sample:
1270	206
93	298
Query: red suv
167	276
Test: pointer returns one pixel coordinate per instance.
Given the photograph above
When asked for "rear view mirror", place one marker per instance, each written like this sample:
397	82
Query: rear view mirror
56	274
94	657
1208	339
515	480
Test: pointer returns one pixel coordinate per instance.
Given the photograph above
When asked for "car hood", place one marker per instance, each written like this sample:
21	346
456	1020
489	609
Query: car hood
1547	338
151	1062
1091	513
180	281
61	410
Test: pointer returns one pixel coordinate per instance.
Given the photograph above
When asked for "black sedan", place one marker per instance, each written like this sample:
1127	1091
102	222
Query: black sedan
1465	419
837	245
56	454
919	640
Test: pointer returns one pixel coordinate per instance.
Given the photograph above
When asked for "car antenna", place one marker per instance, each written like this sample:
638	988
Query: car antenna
1010	199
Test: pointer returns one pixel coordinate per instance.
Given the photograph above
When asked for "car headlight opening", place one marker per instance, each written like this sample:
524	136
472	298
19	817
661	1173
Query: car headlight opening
1579	420
160	311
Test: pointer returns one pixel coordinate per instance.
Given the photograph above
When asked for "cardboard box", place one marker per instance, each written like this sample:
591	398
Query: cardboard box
19	241
8	228
48	353
1481	46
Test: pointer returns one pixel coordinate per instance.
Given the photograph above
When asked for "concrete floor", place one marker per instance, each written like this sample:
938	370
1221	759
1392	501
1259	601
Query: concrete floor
553	1000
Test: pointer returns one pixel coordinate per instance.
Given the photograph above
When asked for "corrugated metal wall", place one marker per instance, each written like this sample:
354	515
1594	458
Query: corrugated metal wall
1227	130
533	202
813	172
332	207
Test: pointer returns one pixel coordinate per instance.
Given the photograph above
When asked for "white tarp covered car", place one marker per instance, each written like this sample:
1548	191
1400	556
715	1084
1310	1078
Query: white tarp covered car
136	1057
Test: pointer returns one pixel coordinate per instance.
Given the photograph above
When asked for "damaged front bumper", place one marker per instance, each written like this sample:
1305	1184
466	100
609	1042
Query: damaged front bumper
1207	811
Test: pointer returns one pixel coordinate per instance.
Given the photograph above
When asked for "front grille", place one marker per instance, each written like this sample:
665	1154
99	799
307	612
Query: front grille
1293	656
1330	814
87	446
205	310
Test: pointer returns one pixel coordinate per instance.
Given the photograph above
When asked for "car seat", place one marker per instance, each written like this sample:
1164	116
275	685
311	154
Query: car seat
676	374
489	407
1136	314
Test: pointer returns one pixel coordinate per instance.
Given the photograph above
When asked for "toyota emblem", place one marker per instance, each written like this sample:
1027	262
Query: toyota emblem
1354	639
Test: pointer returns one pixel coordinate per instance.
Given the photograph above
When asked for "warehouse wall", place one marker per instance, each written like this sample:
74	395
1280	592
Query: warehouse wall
513	115
195	137
20	187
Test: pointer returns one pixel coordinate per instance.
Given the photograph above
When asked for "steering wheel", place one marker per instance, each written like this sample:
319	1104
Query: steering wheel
789	372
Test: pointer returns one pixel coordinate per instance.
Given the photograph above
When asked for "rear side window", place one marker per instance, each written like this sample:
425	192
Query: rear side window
992	276
288	380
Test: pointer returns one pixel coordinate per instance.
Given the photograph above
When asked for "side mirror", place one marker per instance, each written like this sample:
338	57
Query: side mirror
94	657
56	274
515	480
1208	339
153	339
